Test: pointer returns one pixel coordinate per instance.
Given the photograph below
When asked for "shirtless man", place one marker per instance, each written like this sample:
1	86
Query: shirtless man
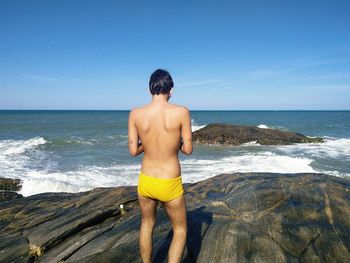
163	130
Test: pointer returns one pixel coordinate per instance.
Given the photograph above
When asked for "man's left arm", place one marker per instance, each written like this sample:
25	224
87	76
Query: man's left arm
135	148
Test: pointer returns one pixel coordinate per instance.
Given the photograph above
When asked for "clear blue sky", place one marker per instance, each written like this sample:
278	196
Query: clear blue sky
239	55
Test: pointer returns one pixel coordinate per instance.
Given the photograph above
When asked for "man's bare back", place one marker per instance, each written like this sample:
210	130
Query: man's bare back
160	127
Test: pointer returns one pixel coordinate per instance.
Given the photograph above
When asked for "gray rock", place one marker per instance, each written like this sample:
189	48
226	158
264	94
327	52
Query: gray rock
10	184
241	217
225	134
14	248
9	195
8	188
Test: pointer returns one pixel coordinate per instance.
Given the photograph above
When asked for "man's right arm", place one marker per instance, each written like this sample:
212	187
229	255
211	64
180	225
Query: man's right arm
186	133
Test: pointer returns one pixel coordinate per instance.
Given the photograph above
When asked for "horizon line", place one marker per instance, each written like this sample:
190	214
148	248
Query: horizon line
190	109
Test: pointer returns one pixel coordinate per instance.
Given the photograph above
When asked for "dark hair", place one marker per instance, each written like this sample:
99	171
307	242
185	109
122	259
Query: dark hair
160	82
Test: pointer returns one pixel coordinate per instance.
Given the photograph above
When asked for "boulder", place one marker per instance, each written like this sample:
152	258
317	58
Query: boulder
226	134
8	188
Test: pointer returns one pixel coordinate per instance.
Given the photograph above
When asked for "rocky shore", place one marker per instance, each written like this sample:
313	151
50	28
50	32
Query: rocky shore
240	217
226	134
9	188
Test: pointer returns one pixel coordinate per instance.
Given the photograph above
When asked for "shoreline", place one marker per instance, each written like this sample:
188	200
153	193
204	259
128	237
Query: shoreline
13	193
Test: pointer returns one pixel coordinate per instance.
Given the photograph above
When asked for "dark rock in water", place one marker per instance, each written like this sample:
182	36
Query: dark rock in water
241	217
9	184
9	195
219	133
8	188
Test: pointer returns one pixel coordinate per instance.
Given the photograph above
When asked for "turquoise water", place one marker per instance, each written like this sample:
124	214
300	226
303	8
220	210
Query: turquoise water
78	150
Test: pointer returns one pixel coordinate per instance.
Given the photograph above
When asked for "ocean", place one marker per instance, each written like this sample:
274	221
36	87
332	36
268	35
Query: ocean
73	151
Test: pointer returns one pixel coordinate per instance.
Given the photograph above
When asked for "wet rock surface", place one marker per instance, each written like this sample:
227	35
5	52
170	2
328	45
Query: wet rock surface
8	188
240	217
226	134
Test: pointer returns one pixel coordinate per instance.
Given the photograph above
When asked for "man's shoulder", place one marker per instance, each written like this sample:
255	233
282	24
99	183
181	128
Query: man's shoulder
136	110
180	108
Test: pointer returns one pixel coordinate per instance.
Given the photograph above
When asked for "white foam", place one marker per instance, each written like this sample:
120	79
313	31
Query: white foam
80	140
263	126
332	147
88	177
19	146
295	158
252	143
83	179
15	163
195	170
195	126
12	155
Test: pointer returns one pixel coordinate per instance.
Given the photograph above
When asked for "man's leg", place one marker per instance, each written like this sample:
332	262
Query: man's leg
176	210
148	212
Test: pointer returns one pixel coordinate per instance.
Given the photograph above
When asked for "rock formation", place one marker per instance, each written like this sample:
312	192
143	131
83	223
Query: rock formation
8	188
240	217
219	133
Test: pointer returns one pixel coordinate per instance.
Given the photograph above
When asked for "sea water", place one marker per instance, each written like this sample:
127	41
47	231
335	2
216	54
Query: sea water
73	151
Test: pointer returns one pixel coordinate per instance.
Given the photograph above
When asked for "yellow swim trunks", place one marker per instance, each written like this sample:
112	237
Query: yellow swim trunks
162	189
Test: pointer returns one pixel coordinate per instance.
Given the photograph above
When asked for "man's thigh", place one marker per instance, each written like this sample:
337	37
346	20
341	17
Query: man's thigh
176	211
148	208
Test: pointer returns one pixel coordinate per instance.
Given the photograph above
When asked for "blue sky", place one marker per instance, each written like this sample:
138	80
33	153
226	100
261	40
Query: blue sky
239	55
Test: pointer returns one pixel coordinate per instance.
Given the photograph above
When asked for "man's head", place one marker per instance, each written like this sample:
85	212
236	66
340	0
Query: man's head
160	82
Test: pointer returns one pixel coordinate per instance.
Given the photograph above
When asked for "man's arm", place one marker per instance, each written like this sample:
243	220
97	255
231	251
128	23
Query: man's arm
186	133
135	148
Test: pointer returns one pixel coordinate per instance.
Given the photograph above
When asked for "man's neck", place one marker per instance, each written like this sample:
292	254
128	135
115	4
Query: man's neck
160	99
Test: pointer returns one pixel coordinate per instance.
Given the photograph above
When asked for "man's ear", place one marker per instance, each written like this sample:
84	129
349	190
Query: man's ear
170	92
